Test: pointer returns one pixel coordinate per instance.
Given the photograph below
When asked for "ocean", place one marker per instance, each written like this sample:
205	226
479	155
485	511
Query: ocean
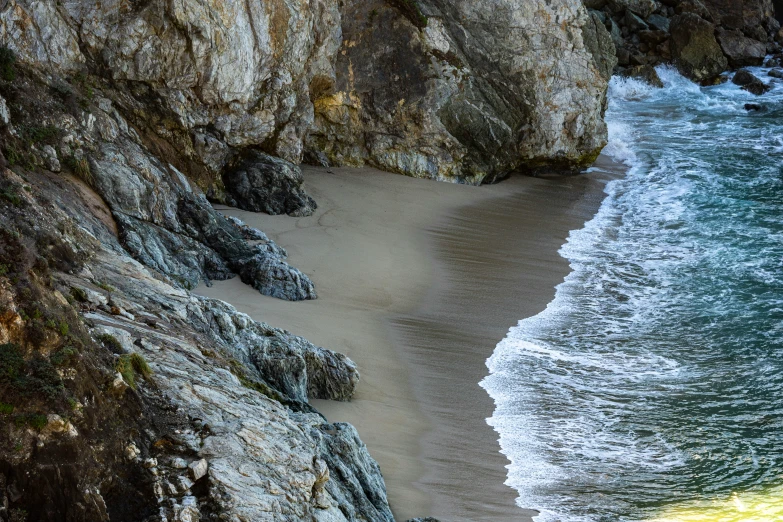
651	388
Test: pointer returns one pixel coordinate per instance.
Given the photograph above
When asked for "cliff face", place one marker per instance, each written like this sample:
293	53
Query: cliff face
701	37
455	91
122	395
462	90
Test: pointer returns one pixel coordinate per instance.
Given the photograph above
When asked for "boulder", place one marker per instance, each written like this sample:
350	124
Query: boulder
643	8
776	73
658	22
740	14
694	7
634	23
694	48
745	79
739	49
263	183
646	73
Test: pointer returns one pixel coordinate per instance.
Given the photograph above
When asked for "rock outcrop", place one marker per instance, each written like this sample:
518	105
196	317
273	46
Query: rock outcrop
453	91
701	37
463	90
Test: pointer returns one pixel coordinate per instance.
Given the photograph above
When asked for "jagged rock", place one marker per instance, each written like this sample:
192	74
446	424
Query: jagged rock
753	107
5	114
262	183
643	8
467	98
646	73
776	73
659	23
694	7
739	49
198	469
599	42
364	498
694	48
750	83
634	23
740	14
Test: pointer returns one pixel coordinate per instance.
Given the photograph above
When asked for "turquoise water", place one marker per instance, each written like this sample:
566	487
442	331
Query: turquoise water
652	386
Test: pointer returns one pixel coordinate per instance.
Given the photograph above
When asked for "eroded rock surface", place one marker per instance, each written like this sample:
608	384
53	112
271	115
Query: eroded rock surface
463	90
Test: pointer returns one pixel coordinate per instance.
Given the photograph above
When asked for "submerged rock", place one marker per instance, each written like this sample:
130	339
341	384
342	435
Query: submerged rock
262	183
646	73
750	83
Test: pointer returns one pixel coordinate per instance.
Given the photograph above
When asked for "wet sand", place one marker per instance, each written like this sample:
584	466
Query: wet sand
417	282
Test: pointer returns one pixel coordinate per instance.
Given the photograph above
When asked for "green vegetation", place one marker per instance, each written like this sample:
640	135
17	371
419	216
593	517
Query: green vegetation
34	134
10	195
79	294
65	356
36	421
6	408
104	286
7	62
133	364
17	515
35	376
80	168
110	342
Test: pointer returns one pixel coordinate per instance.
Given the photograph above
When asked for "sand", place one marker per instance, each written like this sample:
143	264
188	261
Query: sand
417	282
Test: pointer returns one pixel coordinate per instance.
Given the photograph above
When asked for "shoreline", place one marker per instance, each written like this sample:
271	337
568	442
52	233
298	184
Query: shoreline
408	270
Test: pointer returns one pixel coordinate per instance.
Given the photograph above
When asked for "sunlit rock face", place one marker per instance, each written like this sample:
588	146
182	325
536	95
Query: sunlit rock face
459	91
479	91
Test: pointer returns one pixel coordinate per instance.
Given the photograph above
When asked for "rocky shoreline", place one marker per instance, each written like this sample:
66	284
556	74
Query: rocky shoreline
125	397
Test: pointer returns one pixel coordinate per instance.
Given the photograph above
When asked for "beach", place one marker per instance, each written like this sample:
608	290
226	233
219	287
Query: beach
418	281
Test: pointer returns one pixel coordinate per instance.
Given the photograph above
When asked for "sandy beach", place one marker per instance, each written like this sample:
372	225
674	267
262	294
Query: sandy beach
418	281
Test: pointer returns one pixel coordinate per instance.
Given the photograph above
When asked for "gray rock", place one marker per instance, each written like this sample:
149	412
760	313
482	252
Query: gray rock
776	73
694	48
750	83
646	73
643	8
468	98
599	42
5	114
658	22
740	14
262	183
740	50
634	23
198	469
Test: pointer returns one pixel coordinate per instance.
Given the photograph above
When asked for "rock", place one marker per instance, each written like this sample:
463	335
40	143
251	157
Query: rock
425	519
262	183
634	23
51	162
183	484
178	463
643	8
599	42
198	469
752	107
5	114
740	50
646	73
658	22
457	101
740	14
776	73
749	82
694	7
694	48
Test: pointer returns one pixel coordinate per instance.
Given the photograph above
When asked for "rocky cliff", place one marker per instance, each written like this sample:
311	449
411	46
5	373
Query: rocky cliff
122	395
460	91
703	38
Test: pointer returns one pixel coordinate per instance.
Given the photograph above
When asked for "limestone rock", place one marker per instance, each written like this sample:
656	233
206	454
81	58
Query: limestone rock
198	469
599	42
695	49
740	14
740	50
262	183
468	98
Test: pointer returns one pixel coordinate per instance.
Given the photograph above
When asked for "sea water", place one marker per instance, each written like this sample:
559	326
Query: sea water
651	388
